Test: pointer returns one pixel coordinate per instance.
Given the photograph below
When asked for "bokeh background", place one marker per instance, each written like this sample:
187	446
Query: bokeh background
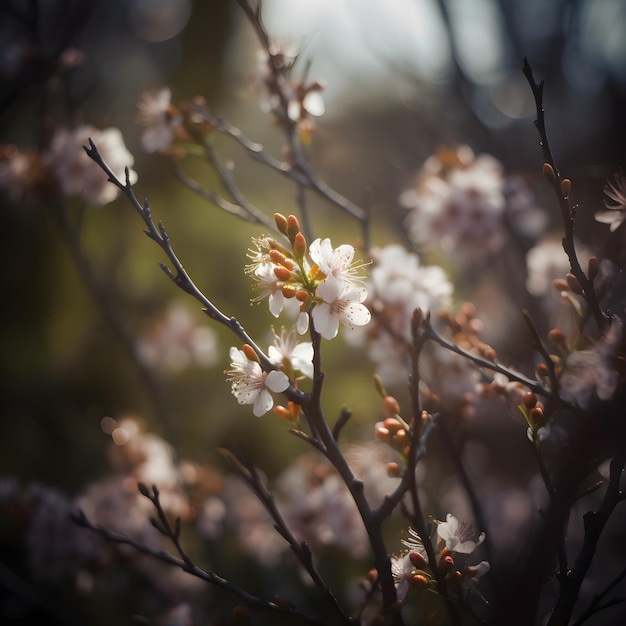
403	77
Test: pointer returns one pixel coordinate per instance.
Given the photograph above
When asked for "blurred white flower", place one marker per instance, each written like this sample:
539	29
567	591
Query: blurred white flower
251	385
615	202
458	204
592	374
174	341
77	174
397	285
159	117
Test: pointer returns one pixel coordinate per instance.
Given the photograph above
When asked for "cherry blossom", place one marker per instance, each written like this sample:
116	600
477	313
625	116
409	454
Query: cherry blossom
77	174
251	385
288	352
459	536
339	305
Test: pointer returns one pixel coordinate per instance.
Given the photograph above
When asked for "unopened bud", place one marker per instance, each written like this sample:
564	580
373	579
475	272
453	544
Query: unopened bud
250	353
574	284
560	284
537	417
454	577
566	187
419	581
282	273
293	227
548	173
302	295
529	399
446	563
278	258
281	223
379	385
418	560
393	470
542	371
392	424
299	246
592	268
289	291
382	433
557	337
391	405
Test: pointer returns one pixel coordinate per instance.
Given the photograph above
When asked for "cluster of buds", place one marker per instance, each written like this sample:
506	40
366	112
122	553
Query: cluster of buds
322	280
534	413
394	430
571	291
464	328
455	542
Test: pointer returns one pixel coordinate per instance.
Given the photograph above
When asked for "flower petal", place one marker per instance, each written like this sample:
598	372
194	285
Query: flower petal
277	381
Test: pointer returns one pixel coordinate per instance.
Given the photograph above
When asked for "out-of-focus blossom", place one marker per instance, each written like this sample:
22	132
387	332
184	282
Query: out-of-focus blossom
592	374
77	174
160	118
615	202
292	355
21	174
459	537
398	284
318	507
251	385
462	203
174	341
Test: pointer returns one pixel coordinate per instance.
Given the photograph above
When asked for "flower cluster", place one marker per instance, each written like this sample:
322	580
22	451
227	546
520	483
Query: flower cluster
398	284
64	166
326	285
455	542
463	204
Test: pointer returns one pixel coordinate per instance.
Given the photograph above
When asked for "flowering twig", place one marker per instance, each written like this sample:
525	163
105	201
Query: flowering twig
561	188
185	563
494	366
180	276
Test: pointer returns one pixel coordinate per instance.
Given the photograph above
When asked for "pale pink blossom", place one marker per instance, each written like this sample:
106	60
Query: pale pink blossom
340	304
155	113
77	174
288	352
459	537
251	385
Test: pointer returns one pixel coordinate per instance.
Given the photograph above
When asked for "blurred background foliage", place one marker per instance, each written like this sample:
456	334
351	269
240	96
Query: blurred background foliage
403	77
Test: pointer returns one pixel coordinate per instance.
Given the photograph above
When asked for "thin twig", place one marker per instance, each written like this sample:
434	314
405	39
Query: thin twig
567	213
189	567
301	549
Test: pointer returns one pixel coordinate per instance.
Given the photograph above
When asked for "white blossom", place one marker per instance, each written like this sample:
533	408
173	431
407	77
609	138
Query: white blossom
339	305
251	385
459	536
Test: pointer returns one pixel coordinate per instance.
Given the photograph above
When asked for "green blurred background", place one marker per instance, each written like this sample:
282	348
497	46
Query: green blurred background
64	368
